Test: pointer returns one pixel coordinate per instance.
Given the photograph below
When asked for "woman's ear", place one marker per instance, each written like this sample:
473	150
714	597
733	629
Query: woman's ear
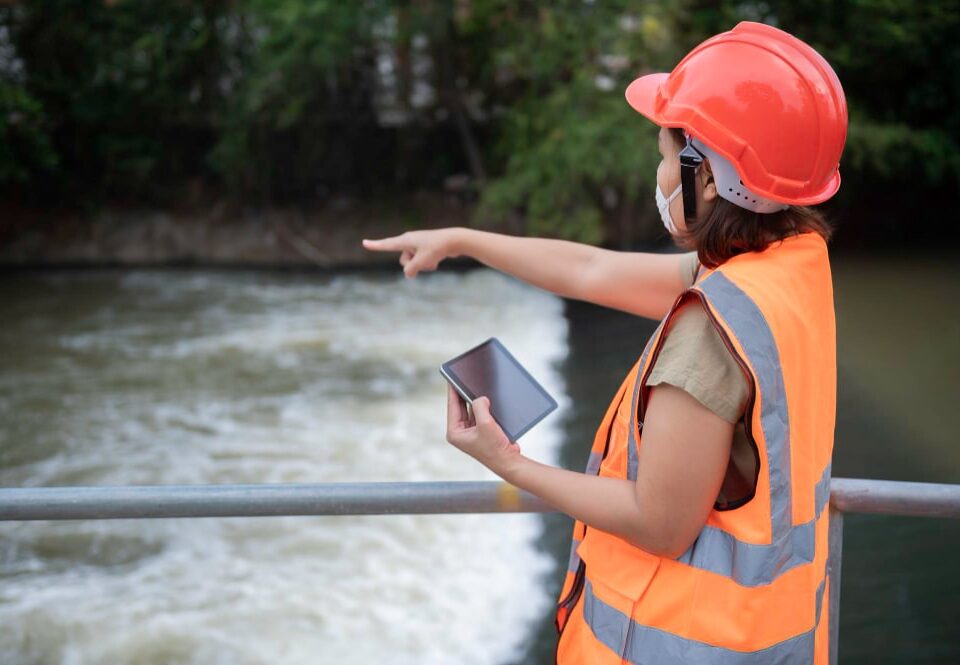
709	184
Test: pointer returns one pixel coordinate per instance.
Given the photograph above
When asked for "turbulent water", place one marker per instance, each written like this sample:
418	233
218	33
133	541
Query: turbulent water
166	377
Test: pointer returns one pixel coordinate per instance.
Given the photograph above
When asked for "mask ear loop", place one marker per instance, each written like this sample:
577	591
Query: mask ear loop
690	161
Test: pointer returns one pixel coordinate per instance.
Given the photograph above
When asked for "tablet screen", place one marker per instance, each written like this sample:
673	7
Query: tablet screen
517	401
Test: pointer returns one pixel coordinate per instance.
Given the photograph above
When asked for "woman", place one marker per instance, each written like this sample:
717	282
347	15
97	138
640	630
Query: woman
701	522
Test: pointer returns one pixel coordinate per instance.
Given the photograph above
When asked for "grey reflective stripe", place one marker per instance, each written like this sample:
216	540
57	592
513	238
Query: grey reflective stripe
749	564
645	645
822	491
574	561
747	322
633	450
754	565
593	462
593	468
820	589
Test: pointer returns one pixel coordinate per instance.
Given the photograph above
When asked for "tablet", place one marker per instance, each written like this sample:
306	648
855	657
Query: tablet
517	401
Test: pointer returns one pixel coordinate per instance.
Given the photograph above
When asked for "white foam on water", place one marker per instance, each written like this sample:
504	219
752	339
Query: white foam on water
214	378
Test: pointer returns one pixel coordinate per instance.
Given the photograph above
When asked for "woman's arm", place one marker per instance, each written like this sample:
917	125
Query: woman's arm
682	462
641	283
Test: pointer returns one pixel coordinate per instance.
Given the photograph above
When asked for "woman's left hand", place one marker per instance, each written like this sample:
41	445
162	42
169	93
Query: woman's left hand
481	437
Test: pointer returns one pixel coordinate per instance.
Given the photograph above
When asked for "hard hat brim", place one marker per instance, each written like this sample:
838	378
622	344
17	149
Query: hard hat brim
643	94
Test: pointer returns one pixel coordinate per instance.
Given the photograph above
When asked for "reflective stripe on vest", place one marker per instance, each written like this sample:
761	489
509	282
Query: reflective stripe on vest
750	564
643	645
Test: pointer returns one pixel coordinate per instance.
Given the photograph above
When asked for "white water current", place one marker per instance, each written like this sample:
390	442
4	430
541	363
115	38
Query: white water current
179	377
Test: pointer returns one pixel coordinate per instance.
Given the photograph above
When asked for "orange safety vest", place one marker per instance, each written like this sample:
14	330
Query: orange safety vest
752	588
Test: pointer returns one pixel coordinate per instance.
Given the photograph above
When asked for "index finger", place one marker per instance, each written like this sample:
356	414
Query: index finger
391	244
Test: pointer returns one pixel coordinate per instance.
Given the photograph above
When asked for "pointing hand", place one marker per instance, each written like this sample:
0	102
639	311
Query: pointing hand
420	251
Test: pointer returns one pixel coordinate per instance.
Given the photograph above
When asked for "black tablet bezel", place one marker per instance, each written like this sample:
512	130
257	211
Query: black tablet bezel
447	371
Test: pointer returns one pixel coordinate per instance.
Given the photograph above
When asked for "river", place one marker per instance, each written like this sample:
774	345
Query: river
177	376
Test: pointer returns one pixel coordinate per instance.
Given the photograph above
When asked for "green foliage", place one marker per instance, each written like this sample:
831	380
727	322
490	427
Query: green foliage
897	152
574	153
289	100
25	150
307	82
565	148
128	90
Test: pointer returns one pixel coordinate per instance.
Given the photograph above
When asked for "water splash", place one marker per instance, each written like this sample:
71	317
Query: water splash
166	377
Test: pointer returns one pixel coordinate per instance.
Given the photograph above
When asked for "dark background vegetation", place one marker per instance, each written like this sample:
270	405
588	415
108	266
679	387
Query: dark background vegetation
515	106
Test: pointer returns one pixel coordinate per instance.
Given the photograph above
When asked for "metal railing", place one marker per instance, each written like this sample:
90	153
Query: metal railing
847	495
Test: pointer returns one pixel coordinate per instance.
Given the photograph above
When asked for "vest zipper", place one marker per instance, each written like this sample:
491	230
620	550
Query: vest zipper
574	595
569	603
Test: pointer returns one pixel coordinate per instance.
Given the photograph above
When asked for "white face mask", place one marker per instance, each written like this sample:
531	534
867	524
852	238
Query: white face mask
663	205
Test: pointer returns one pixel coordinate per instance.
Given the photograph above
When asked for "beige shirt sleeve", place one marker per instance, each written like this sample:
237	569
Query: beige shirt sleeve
695	359
689	267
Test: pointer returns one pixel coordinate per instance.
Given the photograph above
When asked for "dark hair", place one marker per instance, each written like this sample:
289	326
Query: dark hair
730	230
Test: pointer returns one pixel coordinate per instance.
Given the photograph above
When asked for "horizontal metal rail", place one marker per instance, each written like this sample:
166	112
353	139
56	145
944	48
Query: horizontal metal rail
895	497
163	501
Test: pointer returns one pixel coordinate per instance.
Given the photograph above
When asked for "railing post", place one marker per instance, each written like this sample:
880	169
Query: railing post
835	544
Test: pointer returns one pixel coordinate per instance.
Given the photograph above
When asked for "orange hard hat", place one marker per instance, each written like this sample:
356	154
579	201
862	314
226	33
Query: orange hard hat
764	100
